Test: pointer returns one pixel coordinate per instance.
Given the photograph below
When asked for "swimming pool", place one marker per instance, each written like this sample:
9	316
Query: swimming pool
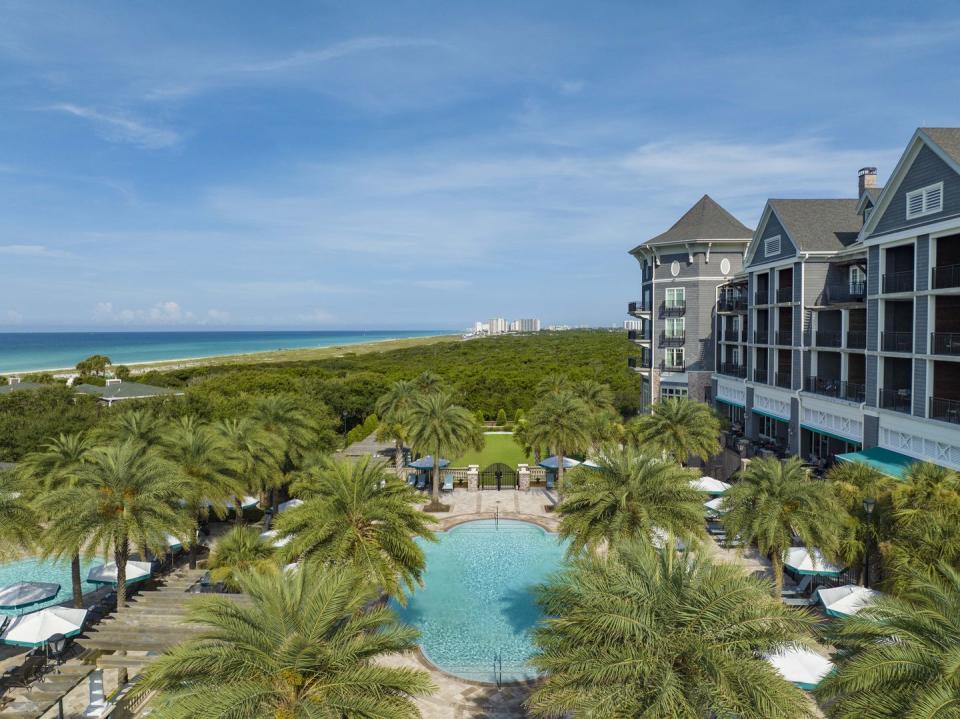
476	607
40	570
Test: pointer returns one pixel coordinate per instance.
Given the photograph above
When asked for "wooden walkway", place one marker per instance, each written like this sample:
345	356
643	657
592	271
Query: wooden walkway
43	697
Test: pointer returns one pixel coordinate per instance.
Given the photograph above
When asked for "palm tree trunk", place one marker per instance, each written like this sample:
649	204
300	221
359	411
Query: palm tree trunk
776	562
193	546
120	552
398	457
77	581
436	479
559	454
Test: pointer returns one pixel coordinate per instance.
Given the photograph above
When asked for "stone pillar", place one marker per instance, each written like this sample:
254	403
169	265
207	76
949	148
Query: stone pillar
473	477
523	478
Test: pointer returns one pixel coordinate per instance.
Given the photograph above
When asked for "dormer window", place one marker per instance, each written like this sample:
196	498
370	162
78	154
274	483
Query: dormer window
925	201
771	246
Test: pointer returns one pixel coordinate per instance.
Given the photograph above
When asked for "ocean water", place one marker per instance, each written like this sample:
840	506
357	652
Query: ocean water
30	351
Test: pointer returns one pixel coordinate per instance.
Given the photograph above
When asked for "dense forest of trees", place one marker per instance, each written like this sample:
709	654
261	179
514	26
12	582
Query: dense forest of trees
487	375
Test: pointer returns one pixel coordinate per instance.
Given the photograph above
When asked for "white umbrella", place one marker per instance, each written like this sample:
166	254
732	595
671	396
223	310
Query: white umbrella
803	562
551	462
846	600
715	507
173	544
289	504
271	535
801	667
709	485
33	630
245	503
661	537
107	573
23	594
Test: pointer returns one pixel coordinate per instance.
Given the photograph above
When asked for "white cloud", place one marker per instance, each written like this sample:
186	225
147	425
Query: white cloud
317	316
162	313
13	317
334	52
121	128
215	316
31	251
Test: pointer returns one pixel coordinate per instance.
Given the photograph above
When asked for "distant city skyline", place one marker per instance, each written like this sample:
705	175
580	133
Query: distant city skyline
223	165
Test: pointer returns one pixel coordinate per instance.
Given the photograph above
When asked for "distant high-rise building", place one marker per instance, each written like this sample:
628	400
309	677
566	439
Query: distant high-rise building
498	326
527	326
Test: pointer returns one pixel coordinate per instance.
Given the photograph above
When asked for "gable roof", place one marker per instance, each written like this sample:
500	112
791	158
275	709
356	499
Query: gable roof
946	138
819	225
8	388
706	220
868	198
125	390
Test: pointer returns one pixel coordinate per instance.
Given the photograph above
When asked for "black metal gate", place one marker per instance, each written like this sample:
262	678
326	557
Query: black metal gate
498	476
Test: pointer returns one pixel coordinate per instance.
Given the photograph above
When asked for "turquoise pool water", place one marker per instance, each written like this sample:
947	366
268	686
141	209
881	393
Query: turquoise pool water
39	570
477	602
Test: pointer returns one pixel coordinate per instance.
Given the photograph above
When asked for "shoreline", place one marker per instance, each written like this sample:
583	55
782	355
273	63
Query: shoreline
276	355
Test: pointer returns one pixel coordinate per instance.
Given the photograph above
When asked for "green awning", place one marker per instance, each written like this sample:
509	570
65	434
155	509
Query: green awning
883	460
730	402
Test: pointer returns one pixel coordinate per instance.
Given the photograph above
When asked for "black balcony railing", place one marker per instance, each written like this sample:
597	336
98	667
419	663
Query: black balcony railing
761	338
670	366
638	363
732	303
784	294
785	337
896	399
945	343
759	375
638	336
850	391
856	339
898	281
896	341
672	340
946	410
674	308
634	308
733	369
761	297
782	379
744	336
731	336
946	276
841	292
829	338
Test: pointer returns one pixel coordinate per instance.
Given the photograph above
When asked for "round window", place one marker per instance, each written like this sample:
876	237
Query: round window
674	268
725	266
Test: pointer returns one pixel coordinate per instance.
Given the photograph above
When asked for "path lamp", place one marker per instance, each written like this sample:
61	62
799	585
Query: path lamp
868	504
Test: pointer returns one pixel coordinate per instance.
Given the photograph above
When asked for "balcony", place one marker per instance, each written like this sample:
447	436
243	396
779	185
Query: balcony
945	343
638	336
732	369
671	366
732	303
759	375
896	399
637	308
674	308
731	336
785	337
850	391
829	338
844	292
638	363
784	294
761	297
672	340
782	379
945	410
946	276
898	282
896	341
856	339
761	338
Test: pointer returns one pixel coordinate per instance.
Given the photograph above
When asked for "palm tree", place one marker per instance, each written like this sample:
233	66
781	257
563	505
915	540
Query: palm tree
775	501
125	495
552	384
54	466
207	468
392	408
641	633
427	382
307	645
681	428
256	452
626	498
596	394
237	552
282	416
559	421
898	657
438	426
18	525
140	425
521	436
358	513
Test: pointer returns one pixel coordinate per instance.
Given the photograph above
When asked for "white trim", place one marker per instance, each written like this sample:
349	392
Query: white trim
769	248
947	226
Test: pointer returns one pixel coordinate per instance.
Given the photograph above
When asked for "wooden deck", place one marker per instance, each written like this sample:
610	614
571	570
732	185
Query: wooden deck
43	697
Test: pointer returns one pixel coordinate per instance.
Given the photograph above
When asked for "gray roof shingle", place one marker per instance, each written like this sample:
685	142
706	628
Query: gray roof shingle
819	225
947	139
8	388
125	390
706	220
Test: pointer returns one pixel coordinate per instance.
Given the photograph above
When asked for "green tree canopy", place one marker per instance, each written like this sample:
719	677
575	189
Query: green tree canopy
680	427
238	552
559	421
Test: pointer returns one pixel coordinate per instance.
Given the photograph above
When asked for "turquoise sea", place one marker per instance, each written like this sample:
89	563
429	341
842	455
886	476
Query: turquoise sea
30	351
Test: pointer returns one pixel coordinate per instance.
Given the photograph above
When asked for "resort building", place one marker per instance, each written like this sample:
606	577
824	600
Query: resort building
681	270
117	390
852	315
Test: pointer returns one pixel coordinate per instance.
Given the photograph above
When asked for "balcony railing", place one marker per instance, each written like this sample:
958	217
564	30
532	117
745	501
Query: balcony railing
733	369
898	281
759	375
731	336
829	338
856	339
638	336
761	297
674	308
761	338
635	308
850	391
638	363
782	379
672	340
945	343
896	399
732	303
784	294
842	292
785	337
669	366
896	341
946	410
946	276
744	336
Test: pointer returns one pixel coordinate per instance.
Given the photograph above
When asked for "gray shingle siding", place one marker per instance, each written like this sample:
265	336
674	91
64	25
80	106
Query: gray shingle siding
871	431
798	282
873	324
749	420
773	228
922	262
797	381
872	362
919	388
794	426
814	281
927	169
920	324
873	271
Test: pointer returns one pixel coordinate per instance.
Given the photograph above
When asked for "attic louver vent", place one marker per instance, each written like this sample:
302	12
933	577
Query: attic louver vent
771	246
925	201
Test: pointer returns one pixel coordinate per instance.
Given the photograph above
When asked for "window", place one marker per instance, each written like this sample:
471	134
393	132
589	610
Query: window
674	268
675	357
666	391
675	296
724	266
771	246
858	279
675	327
925	201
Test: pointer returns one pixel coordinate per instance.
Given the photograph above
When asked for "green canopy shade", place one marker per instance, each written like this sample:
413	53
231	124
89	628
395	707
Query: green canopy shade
883	460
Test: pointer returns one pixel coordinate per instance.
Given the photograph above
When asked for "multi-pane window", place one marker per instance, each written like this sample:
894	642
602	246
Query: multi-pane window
858	278
675	296
674	326
675	357
667	391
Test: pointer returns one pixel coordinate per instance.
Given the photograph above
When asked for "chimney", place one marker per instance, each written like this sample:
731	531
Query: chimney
112	381
13	380
866	177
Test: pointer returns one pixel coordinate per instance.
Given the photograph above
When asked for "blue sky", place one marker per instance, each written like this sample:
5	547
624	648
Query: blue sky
420	165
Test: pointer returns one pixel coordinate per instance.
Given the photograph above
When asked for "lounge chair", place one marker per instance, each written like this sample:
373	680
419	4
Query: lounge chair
422	482
799	589
550	480
448	482
24	674
799	601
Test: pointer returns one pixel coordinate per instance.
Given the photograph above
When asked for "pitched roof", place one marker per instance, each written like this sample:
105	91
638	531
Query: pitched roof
706	220
819	225
125	390
8	388
947	139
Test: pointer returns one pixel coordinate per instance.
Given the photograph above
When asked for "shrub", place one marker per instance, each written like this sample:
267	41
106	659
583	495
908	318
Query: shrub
501	417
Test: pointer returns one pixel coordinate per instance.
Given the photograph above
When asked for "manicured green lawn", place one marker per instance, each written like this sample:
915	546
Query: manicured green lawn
498	448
